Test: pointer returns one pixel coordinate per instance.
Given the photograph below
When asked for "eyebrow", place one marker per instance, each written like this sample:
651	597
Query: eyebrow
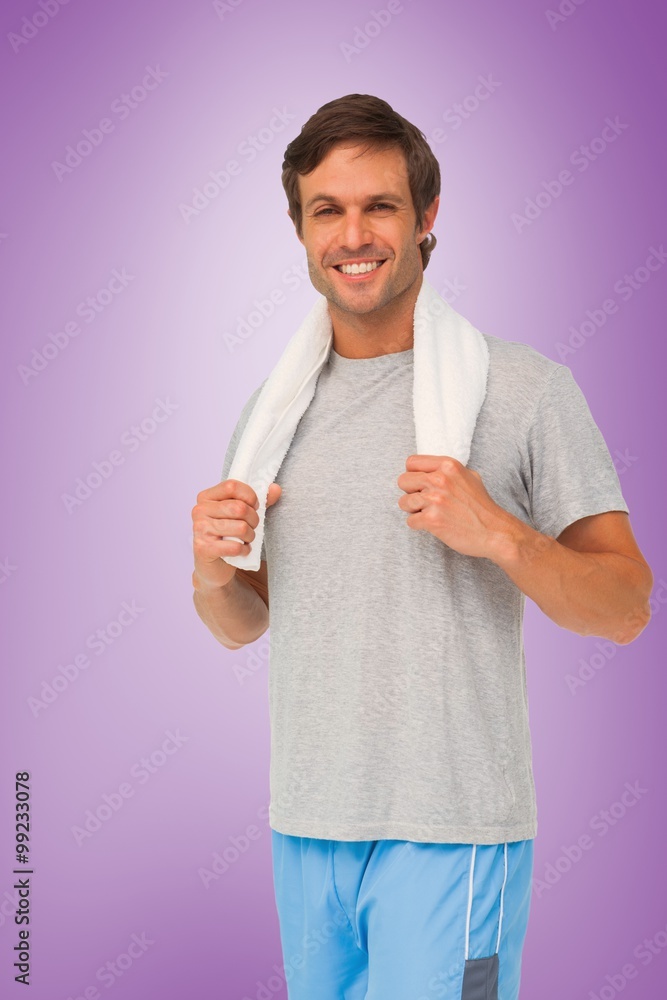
382	196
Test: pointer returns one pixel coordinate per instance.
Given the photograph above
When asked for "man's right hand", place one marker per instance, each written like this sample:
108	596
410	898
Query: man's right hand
229	508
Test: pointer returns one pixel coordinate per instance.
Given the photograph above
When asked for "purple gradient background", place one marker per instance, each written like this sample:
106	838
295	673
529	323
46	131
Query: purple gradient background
163	337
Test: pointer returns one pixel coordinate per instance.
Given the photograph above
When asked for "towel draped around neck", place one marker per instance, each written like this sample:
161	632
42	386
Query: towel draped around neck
450	359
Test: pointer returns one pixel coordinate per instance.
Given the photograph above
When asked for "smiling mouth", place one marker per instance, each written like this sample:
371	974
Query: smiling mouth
358	270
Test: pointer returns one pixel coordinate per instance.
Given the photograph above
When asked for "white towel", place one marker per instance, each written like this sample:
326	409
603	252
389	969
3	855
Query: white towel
451	361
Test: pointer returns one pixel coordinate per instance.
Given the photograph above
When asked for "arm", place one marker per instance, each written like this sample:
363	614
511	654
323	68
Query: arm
233	603
236	613
592	579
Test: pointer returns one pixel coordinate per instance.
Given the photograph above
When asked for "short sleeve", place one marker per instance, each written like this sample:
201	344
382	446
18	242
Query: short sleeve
234	443
570	472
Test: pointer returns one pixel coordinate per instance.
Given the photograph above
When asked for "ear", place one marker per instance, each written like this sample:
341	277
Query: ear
429	218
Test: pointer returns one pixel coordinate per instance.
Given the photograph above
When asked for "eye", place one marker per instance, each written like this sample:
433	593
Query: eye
378	204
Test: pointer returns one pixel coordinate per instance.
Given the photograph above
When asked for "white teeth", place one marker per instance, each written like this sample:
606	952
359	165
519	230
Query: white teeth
359	268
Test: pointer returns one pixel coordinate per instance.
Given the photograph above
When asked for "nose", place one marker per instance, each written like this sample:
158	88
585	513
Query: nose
355	230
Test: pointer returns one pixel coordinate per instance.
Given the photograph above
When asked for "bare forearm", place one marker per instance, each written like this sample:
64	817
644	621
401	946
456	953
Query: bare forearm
591	593
235	614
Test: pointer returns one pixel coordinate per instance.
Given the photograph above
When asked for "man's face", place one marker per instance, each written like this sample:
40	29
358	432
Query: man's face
359	209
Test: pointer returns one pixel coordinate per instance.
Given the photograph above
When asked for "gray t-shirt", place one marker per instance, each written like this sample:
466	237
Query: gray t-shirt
397	683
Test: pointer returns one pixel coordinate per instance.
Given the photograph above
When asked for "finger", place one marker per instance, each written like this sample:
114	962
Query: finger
213	548
423	463
411	482
413	502
416	521
227	489
234	508
217	527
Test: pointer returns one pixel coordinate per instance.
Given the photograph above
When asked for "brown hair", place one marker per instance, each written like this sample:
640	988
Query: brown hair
374	123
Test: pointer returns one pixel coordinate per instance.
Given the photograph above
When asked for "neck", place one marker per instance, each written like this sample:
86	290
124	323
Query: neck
383	331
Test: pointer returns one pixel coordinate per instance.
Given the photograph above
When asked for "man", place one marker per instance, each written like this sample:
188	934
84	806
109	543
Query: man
402	798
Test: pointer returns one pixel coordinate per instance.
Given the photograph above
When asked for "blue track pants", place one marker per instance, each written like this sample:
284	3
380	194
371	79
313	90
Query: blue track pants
401	920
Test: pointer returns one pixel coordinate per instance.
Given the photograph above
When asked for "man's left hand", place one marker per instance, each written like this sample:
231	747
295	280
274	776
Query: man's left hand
446	498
